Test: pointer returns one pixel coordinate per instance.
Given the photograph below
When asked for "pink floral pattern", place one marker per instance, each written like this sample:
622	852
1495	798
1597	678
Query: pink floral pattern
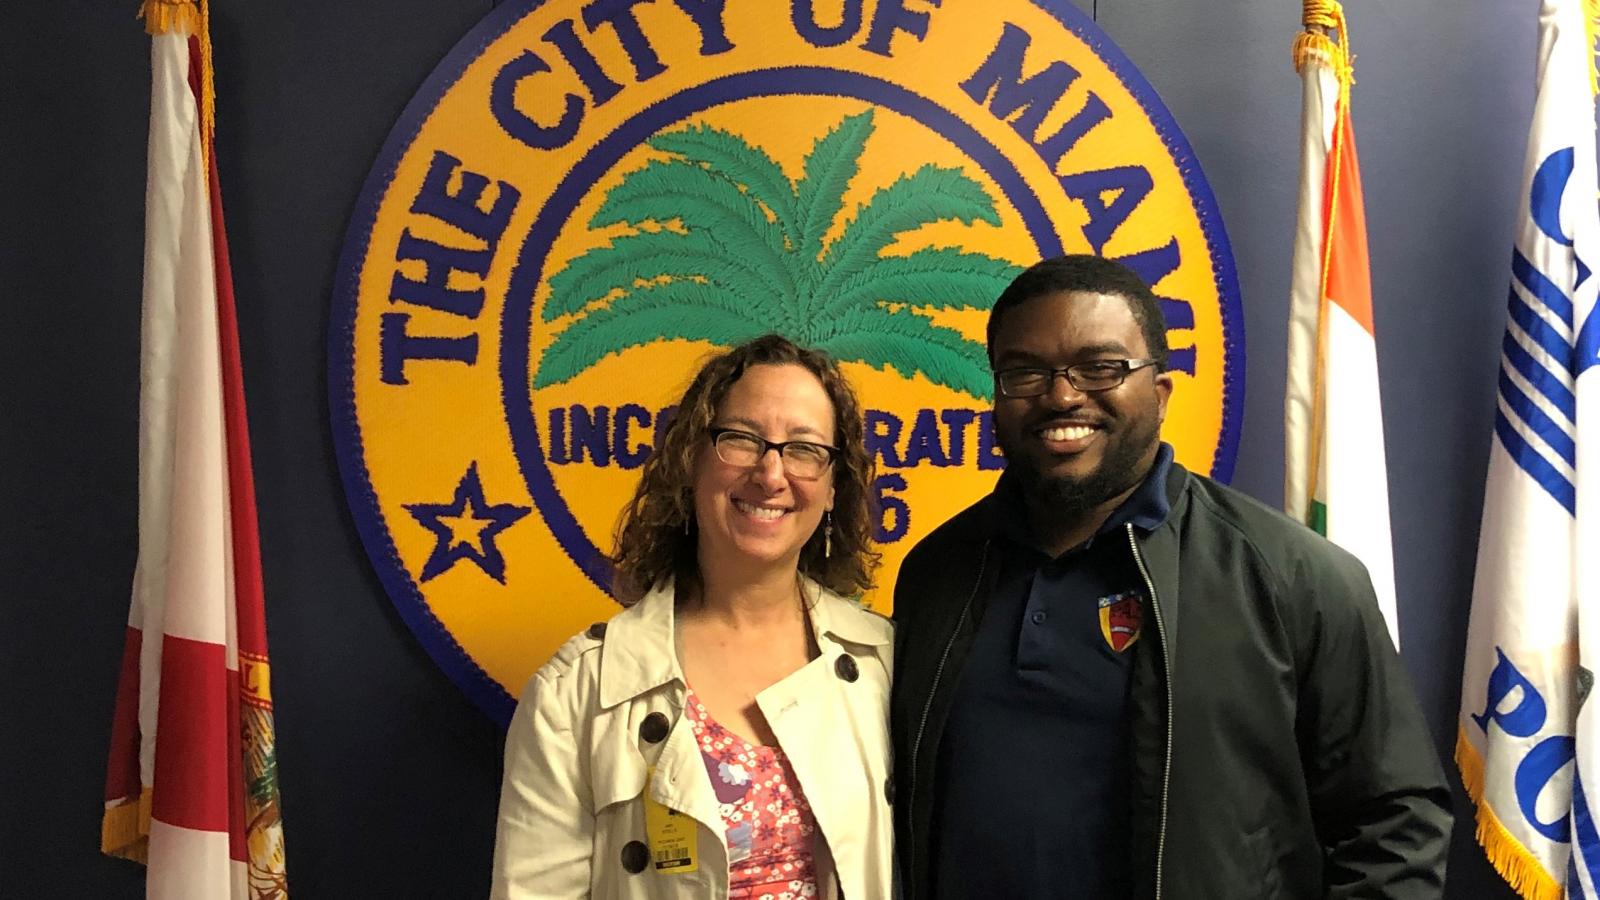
770	827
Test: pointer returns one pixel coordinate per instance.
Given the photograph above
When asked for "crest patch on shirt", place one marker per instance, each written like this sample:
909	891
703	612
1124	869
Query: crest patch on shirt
1121	618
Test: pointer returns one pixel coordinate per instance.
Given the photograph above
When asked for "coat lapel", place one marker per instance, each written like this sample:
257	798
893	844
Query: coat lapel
681	783
808	714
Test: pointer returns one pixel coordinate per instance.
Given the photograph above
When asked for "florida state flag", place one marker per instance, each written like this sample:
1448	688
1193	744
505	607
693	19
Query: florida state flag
191	785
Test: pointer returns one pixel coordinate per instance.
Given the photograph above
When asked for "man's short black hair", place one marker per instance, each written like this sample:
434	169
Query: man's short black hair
1089	274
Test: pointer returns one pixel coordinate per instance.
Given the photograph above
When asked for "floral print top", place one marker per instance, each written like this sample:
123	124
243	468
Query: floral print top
770	827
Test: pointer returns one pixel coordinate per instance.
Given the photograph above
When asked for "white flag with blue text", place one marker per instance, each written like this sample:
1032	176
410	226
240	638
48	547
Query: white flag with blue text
1527	745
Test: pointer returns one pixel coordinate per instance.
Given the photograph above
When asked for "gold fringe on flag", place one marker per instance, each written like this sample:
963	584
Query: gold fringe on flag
125	829
170	17
189	18
1320	17
1509	857
1591	30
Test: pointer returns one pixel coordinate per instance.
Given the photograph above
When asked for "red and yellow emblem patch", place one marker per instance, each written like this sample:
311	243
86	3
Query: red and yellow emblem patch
1121	619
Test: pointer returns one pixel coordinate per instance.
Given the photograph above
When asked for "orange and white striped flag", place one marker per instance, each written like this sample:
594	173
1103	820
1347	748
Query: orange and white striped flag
191	785
1335	478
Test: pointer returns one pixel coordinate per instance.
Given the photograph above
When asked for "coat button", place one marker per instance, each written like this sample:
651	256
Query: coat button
845	667
635	856
888	790
597	631
654	728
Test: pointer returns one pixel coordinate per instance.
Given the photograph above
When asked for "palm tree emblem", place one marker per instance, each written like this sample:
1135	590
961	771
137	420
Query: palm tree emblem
725	247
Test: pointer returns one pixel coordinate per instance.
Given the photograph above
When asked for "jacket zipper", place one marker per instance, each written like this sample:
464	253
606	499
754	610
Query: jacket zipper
1166	667
927	707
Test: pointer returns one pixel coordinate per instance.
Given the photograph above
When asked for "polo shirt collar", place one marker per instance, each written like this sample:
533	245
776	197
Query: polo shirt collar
1146	508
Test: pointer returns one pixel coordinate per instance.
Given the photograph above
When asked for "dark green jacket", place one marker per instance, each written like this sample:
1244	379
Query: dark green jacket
1279	751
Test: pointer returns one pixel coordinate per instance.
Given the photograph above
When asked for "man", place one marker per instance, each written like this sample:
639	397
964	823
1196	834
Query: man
1118	679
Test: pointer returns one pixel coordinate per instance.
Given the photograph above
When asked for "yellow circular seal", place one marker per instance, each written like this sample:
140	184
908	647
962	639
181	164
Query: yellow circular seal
585	199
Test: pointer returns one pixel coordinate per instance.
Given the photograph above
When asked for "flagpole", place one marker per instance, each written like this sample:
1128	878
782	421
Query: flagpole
1335	465
191	786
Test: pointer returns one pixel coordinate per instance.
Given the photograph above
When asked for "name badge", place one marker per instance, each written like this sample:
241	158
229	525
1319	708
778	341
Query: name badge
674	837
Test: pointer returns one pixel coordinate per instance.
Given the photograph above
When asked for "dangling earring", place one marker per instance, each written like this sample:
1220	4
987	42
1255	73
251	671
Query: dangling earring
827	534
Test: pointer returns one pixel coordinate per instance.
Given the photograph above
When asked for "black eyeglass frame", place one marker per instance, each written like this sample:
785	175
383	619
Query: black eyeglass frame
1072	373
830	452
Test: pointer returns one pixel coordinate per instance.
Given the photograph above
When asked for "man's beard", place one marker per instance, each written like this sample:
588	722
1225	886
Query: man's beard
1067	497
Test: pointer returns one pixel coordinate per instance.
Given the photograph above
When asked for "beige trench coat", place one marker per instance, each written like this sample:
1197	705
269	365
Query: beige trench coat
579	755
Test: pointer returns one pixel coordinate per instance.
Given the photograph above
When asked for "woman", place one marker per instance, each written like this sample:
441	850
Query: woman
723	736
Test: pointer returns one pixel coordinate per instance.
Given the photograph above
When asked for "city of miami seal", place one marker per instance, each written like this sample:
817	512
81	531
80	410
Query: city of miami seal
585	200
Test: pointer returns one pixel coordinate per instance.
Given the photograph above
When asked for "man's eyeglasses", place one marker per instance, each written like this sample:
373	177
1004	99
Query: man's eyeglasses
1096	375
801	459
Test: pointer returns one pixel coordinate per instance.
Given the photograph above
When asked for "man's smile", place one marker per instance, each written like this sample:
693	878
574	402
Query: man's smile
1066	437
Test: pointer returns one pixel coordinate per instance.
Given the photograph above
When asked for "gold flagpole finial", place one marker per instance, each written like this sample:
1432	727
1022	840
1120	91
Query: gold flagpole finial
1322	13
1321	17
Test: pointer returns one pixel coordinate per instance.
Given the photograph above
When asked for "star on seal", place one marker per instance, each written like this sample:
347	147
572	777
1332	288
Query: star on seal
465	528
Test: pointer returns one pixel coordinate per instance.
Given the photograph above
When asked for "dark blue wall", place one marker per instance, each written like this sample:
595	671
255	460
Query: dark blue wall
389	777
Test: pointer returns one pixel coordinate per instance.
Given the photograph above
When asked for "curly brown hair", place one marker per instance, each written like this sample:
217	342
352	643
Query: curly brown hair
656	533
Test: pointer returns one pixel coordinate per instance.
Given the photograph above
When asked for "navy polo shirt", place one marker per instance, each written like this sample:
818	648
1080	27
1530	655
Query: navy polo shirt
1034	764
